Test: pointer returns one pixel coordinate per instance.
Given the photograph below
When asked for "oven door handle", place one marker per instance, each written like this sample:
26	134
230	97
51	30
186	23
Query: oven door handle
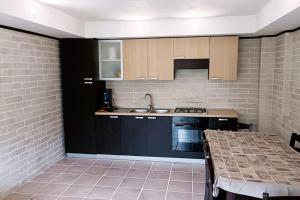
187	124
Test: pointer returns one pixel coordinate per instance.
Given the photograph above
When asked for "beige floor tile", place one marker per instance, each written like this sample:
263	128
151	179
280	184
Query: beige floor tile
198	188
56	169
67	161
156	184
132	183
54	189
101	192
152	195
95	171
17	196
102	163
44	178
179	186
126	164
161	166
179	196
159	174
198	168
116	172
182	167
198	196
199	177
70	198
143	165
87	180
126	194
75	170
84	162
110	181
78	191
31	187
181	176
65	178
43	197
136	173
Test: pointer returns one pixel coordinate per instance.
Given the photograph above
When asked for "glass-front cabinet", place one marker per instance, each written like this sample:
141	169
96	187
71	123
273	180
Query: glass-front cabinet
111	60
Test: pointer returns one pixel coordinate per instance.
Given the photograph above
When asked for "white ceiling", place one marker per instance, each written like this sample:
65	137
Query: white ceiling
150	18
98	10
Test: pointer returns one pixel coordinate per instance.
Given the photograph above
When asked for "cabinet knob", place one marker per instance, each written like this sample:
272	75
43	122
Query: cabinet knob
139	117
154	78
151	117
223	119
215	78
88	82
113	117
88	79
142	78
180	57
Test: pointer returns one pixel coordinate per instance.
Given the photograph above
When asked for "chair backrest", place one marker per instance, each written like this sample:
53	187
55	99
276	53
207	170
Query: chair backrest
245	126
267	197
295	137
209	163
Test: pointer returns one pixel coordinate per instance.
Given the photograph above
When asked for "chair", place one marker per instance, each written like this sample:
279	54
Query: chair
295	137
210	176
245	126
267	197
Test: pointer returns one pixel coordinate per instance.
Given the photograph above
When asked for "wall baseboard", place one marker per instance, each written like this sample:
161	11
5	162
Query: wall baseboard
142	158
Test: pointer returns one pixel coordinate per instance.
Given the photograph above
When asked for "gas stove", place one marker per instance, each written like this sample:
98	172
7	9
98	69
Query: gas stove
190	110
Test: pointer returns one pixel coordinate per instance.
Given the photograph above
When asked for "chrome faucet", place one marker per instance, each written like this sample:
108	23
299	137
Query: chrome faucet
151	106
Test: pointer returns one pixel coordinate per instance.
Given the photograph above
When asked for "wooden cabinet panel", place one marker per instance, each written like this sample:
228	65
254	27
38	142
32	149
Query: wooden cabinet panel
160	59
223	58
191	48
135	59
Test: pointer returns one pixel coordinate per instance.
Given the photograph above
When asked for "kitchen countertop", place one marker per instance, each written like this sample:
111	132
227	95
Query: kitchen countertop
228	113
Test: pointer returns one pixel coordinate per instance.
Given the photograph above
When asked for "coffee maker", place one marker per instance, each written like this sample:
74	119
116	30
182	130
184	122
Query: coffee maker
107	100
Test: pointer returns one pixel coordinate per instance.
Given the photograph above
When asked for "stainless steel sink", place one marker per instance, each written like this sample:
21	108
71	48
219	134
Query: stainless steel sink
140	110
161	111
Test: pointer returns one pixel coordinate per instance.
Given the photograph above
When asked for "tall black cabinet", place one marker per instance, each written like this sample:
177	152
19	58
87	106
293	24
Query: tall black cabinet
81	93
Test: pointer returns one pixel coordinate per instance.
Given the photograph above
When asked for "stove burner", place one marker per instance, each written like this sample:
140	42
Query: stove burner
190	110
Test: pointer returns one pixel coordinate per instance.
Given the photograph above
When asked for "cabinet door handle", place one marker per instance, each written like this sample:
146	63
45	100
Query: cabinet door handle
180	57
113	117
88	82
154	78
139	117
142	78
151	117
215	78
223	119
88	79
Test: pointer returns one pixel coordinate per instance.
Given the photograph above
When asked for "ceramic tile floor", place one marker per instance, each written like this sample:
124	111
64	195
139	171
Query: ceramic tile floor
86	179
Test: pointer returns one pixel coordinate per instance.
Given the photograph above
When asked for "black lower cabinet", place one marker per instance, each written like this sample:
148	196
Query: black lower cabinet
108	135
159	136
134	135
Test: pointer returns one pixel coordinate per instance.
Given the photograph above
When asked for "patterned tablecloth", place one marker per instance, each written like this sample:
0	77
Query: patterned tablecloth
251	163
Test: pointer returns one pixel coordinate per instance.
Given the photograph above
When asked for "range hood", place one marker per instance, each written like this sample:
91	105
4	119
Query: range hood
190	64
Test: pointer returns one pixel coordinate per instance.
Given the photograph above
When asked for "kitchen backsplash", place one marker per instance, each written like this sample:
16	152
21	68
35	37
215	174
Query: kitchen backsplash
192	88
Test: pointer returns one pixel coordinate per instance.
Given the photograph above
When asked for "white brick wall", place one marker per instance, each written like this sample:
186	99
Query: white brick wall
191	88
30	107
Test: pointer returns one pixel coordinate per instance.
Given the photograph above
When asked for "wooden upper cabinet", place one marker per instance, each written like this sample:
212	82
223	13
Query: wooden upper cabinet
135	59
160	59
191	48
223	58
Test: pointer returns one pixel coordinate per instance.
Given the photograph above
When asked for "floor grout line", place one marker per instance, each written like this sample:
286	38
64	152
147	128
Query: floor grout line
145	181
169	181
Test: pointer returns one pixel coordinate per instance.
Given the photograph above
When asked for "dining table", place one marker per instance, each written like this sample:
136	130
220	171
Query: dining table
251	163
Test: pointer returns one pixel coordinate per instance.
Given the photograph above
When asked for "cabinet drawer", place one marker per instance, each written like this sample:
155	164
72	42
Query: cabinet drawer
220	123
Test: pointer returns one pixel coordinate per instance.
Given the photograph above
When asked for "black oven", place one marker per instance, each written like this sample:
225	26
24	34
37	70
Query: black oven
187	133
